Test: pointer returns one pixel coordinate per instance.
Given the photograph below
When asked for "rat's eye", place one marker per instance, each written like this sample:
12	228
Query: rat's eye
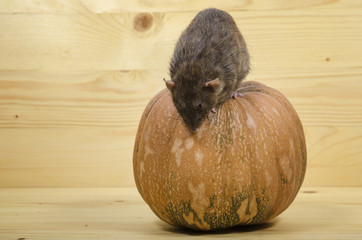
199	107
180	106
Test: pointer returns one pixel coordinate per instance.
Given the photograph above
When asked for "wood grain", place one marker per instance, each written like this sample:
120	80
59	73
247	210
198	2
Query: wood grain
334	156
110	41
117	98
120	213
75	77
90	156
112	6
71	157
62	129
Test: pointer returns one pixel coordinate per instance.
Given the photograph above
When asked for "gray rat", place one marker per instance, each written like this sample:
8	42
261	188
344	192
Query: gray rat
209	62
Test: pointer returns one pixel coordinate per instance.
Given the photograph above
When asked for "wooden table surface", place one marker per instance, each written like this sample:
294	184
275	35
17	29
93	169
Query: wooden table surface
120	213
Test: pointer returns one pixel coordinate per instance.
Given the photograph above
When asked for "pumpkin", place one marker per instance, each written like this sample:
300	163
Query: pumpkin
244	165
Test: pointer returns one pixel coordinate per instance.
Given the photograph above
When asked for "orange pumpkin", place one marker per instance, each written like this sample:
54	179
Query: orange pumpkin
244	165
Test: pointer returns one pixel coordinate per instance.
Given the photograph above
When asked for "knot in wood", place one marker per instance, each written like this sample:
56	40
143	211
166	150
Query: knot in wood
143	22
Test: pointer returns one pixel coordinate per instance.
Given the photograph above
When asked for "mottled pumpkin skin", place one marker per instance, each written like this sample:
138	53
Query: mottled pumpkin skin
244	165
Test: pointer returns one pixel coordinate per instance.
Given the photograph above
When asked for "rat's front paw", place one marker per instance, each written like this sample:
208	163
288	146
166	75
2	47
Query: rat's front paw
212	111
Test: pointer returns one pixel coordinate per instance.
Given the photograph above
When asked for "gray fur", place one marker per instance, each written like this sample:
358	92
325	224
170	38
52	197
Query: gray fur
211	47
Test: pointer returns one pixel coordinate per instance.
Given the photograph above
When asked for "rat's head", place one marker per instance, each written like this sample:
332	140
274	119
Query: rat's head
193	103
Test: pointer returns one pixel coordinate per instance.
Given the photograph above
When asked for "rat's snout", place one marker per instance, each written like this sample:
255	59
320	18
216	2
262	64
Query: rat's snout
192	125
194	129
192	121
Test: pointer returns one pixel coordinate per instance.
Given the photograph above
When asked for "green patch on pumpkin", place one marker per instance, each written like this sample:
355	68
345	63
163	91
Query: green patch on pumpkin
212	216
227	219
283	180
221	140
265	211
177	212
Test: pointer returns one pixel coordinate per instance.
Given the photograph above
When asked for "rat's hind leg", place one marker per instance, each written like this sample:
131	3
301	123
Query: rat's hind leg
236	94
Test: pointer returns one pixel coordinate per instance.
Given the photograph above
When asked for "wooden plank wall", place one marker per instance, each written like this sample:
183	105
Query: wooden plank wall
75	77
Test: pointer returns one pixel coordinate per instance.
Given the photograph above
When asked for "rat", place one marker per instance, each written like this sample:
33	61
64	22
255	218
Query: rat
209	62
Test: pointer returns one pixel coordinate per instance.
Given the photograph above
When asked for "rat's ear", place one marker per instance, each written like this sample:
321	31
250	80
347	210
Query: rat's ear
213	84
169	84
